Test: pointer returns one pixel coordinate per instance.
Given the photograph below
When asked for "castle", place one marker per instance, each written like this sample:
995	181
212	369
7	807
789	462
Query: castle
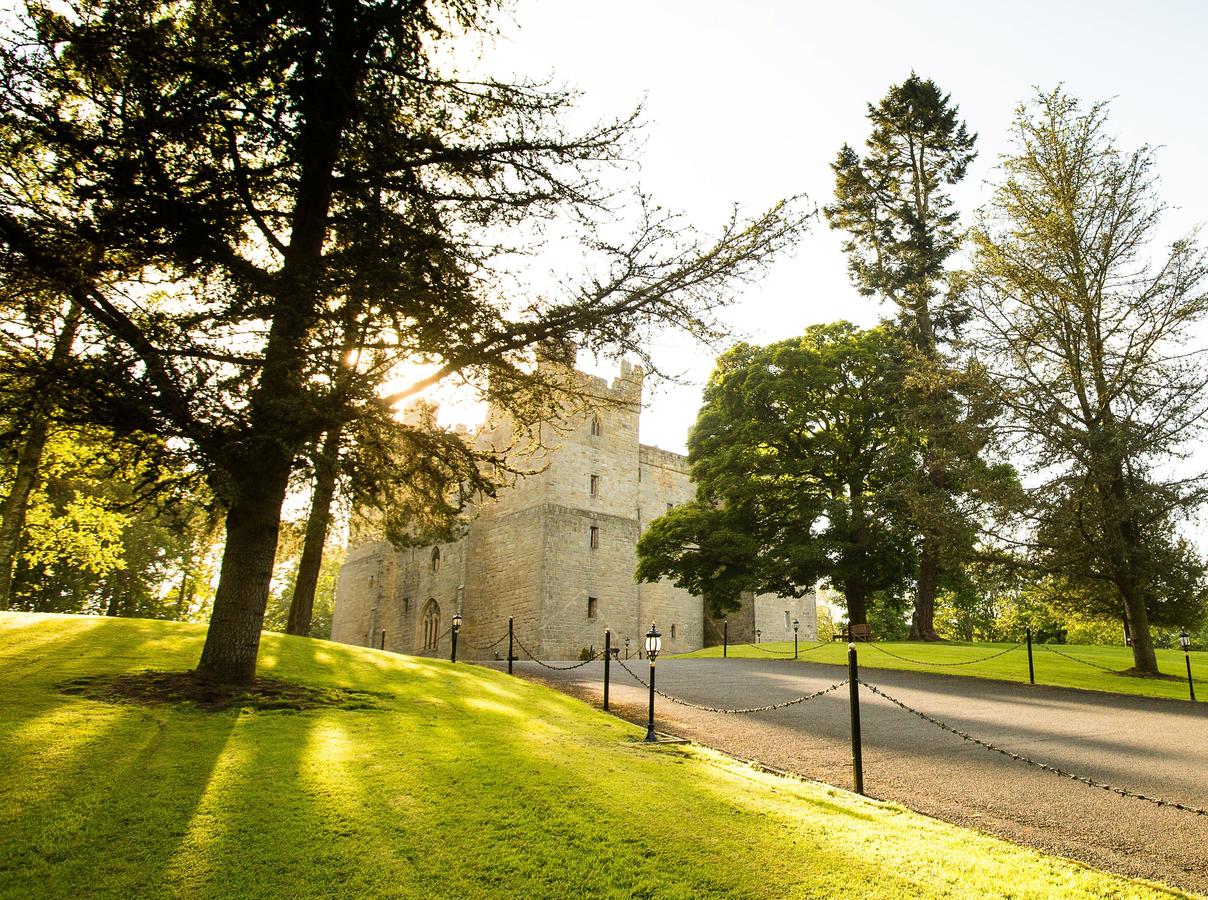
556	552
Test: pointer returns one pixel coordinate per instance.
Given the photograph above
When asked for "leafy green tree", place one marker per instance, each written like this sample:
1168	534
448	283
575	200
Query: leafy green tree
109	531
1087	340
281	170
800	457
894	202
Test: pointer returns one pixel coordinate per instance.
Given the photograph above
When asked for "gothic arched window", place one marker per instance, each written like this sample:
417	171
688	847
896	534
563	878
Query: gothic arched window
431	624
435	559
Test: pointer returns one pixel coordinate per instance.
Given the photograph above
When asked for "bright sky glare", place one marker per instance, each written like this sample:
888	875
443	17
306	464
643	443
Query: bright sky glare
750	101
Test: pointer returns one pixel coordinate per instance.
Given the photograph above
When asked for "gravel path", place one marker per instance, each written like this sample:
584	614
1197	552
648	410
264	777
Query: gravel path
1153	747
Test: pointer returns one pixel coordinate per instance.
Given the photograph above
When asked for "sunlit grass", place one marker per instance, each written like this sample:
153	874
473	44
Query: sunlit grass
462	782
1051	667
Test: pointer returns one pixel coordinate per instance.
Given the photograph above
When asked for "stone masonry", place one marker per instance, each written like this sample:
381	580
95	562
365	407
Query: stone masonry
556	552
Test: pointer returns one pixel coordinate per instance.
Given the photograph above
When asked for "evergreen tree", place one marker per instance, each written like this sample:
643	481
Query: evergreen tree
276	170
1089	345
895	204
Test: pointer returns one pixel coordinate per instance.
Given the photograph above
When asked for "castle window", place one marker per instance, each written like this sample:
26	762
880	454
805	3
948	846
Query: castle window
787	622
673	632
435	559
371	582
406	605
670	506
593	537
593	607
595	485
597	428
431	624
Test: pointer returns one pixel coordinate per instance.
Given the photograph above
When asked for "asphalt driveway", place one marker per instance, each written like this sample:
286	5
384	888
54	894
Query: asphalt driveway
1153	747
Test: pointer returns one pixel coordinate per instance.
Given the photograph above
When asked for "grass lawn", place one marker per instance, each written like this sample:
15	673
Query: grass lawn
1051	667
458	782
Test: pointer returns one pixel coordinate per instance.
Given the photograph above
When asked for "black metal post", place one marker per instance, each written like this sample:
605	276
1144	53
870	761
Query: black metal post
1190	683
650	735
509	645
857	752
383	647
607	654
794	645
1031	668
725	638
453	657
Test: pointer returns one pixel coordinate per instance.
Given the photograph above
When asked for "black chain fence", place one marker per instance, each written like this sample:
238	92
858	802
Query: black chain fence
722	709
787	652
1089	782
963	662
594	656
490	646
1084	662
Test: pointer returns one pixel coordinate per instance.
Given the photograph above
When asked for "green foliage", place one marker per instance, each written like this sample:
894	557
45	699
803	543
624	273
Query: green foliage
1088	345
109	532
895	206
799	455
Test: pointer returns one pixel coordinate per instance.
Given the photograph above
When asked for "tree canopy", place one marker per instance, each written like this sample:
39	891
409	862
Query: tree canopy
801	455
1088	343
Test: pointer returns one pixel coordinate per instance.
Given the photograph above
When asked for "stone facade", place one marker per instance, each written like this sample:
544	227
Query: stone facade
556	552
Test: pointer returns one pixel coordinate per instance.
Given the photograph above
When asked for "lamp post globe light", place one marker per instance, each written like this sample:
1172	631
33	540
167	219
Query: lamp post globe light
796	625
654	643
1185	643
456	629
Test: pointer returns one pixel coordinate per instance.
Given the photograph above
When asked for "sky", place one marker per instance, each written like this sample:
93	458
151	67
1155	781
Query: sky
748	102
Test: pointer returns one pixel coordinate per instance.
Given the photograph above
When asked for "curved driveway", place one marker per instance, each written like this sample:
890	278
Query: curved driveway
1153	747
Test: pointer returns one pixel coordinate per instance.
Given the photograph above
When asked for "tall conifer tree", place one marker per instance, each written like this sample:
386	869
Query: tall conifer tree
894	202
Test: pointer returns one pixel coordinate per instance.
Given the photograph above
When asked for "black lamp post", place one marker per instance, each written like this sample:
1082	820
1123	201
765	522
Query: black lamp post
456	628
1185	643
627	648
796	625
654	643
757	634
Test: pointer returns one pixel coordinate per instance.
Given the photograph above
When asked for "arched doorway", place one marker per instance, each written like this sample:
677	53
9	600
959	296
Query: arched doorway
431	624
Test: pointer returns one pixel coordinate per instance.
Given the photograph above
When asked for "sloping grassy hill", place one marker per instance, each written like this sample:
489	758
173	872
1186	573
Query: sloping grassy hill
1067	665
453	781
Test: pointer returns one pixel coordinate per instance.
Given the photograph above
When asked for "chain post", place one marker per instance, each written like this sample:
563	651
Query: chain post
1031	668
725	638
607	654
510	634
857	751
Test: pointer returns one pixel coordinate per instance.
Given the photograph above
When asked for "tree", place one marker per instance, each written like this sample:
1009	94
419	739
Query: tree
1087	340
108	530
35	401
895	205
261	174
800	458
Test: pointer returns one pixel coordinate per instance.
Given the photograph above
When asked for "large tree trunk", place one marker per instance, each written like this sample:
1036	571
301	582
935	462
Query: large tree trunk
29	461
302	604
922	622
857	602
233	638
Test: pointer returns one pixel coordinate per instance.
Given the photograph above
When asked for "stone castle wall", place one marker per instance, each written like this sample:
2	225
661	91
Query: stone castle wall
530	553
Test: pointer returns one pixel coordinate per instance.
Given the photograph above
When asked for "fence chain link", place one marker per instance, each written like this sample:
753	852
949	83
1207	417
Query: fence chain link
963	662
722	709
1089	782
539	662
489	646
787	652
1077	660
